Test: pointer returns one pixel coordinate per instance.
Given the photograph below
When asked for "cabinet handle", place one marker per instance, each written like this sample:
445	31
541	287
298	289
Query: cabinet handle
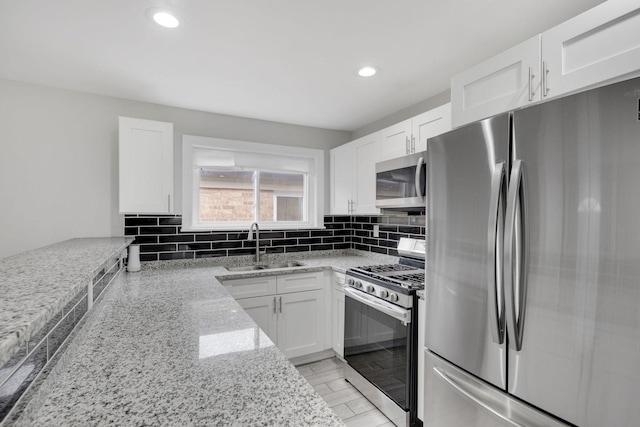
168	202
407	147
413	144
531	77
545	76
274	305
280	304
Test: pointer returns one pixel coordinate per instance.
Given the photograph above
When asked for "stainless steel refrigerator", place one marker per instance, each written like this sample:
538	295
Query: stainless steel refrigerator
533	266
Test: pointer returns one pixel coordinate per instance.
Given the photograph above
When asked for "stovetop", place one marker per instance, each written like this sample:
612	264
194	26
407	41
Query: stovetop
409	277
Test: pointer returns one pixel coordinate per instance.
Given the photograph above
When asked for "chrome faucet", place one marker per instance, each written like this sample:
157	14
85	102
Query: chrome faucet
250	238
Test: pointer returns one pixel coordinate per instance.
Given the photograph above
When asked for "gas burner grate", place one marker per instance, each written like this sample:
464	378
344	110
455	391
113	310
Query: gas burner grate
385	268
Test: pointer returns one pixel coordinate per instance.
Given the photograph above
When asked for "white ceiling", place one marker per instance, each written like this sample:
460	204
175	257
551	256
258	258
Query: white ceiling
290	61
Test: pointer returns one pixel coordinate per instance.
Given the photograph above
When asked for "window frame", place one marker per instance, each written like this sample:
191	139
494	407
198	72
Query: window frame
314	182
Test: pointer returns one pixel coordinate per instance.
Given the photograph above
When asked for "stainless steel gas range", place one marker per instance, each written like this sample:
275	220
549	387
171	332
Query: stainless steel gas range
381	331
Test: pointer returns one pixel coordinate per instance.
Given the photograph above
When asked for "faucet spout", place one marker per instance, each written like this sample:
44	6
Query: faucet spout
249	238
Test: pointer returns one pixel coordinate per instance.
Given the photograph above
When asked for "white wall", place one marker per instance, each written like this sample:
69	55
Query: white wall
59	151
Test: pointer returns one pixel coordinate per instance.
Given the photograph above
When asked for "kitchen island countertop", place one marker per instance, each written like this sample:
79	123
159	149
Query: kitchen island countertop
170	346
37	284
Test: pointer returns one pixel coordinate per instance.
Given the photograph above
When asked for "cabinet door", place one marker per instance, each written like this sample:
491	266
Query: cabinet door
366	155
263	311
300	282
596	46
429	124
251	286
395	141
300	323
145	166
338	321
341	180
502	83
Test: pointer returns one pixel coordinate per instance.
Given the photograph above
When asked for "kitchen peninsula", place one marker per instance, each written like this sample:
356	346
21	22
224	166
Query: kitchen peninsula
170	346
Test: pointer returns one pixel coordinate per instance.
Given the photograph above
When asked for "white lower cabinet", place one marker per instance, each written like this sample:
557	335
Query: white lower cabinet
263	311
291	309
300	323
337	314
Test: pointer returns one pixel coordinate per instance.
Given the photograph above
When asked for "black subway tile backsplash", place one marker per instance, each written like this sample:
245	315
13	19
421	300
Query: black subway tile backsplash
215	237
210	254
170	221
297	233
342	219
180	238
285	242
193	246
157	248
158	230
296	249
160	237
134	222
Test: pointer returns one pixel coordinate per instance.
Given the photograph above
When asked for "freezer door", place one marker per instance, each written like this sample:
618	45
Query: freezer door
453	398
580	349
466	183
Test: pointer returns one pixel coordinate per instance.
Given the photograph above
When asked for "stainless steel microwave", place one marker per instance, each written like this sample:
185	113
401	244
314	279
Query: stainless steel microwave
401	183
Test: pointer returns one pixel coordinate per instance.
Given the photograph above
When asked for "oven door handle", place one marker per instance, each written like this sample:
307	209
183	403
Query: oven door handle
396	312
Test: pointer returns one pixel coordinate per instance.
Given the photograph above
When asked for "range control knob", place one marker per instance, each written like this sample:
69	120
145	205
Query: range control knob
393	297
350	282
370	289
358	284
384	294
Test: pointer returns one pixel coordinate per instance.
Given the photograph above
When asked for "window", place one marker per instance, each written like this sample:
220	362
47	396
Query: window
230	184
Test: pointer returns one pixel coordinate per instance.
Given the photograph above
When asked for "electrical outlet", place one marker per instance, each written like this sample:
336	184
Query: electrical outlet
376	230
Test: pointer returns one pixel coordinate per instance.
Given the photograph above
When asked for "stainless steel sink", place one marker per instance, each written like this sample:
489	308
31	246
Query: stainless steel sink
254	267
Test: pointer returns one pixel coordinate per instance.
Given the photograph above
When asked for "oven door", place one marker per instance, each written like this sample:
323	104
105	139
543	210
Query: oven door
377	343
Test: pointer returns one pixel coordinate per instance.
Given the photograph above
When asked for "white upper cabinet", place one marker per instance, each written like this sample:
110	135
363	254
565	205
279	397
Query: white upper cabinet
366	152
410	136
395	141
595	47
502	83
146	166
429	124
353	176
341	159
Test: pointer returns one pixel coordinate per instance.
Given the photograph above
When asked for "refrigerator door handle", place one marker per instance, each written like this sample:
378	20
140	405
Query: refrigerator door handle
495	235
417	177
515	256
489	398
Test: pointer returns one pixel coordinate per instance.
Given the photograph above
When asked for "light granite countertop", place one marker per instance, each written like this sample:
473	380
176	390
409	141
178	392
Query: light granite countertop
35	285
169	346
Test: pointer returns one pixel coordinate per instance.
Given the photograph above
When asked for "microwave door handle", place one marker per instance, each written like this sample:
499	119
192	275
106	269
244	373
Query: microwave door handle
417	177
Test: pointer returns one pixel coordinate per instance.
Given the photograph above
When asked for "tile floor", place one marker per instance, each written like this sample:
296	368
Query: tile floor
327	377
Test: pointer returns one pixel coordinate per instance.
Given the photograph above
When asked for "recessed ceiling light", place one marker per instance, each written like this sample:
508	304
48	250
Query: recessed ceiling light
165	19
367	71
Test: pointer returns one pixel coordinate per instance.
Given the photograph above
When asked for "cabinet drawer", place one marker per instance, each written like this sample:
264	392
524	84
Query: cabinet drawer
299	282
251	287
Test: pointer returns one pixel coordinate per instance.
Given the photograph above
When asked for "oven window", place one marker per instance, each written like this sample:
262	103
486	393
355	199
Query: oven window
375	345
